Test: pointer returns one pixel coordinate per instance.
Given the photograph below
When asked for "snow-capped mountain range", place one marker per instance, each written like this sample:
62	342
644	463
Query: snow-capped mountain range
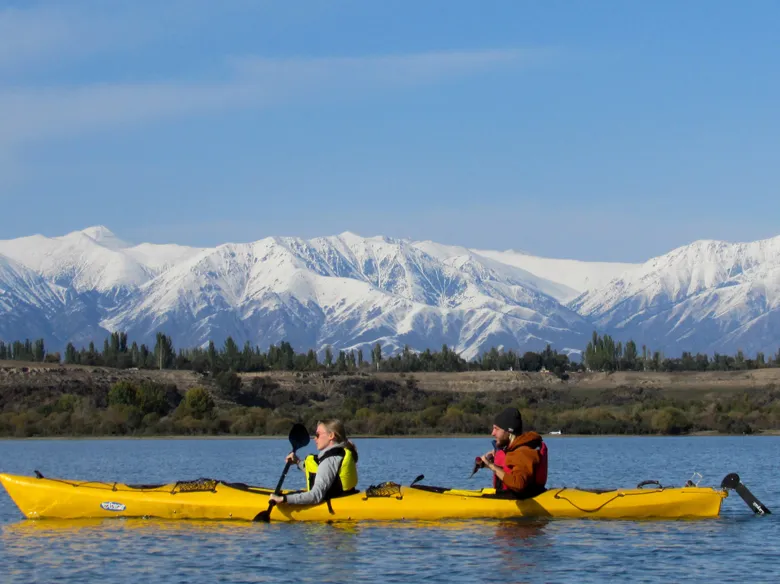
350	292
709	296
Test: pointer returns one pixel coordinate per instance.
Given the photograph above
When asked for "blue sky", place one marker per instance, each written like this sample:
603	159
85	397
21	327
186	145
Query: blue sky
592	130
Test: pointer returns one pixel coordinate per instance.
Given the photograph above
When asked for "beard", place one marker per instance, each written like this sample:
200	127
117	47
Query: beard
503	442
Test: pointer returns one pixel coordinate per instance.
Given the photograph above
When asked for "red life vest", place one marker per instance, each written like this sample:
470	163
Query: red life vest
540	472
499	459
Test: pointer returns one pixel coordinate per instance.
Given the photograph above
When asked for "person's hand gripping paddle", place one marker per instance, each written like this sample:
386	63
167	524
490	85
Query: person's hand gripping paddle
479	463
299	437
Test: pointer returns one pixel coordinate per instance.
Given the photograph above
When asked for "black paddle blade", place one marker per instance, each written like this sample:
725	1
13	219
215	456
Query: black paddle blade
299	437
265	516
478	464
732	481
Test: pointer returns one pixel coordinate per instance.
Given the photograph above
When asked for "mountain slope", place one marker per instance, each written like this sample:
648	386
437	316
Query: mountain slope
78	261
348	292
707	296
27	303
573	276
460	256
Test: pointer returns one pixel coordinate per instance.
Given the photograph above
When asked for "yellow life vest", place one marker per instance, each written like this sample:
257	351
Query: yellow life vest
347	477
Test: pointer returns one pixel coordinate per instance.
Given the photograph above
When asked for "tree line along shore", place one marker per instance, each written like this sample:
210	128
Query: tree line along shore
50	399
602	353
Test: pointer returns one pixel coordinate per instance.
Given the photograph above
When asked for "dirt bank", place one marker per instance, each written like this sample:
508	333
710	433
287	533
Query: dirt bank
20	378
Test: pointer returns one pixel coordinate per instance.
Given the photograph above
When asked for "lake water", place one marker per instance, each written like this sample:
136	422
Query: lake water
736	547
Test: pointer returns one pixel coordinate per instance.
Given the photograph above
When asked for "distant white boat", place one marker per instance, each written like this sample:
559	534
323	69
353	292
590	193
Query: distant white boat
556	433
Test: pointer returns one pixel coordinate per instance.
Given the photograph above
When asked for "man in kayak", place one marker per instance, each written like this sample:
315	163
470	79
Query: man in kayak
519	462
331	473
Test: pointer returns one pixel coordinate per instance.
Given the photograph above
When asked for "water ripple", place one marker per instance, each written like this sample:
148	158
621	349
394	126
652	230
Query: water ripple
738	547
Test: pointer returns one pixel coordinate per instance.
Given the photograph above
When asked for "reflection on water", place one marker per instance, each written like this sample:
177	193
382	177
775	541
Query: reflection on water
737	547
256	552
70	527
516	530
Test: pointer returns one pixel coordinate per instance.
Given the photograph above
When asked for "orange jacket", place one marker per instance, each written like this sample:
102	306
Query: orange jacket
522	459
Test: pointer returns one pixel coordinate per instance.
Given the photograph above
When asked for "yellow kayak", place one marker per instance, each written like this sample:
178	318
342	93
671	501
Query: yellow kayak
40	498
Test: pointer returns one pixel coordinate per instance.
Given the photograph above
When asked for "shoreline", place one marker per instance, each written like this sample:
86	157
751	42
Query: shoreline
703	434
76	403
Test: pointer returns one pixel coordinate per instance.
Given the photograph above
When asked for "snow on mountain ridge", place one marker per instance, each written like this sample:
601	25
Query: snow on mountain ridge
27	302
572	276
706	296
685	271
346	291
350	291
462	258
159	257
76	260
104	236
27	286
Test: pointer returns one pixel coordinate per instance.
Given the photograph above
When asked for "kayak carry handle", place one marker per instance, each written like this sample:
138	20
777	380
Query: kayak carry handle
38	474
650	482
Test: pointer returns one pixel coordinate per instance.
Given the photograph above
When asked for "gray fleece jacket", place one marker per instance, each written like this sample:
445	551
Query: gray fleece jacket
327	473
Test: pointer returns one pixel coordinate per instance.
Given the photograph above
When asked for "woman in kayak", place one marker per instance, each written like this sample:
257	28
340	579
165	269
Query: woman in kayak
331	473
519	462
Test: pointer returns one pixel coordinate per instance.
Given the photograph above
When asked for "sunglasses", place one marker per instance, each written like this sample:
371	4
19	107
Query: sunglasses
317	434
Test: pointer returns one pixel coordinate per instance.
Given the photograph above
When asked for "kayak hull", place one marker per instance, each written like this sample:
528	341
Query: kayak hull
44	498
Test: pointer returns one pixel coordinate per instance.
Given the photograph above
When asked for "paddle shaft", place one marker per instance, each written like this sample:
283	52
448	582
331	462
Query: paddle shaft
278	488
732	481
299	438
757	506
266	515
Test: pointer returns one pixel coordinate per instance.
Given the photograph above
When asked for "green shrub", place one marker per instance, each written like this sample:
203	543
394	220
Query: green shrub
198	402
151	399
67	403
229	384
122	393
670	421
278	426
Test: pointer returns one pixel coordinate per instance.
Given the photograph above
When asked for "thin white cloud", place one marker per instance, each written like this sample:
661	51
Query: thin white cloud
46	34
29	114
28	34
391	69
33	114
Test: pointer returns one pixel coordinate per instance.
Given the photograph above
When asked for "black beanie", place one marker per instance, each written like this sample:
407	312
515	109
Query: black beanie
510	421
